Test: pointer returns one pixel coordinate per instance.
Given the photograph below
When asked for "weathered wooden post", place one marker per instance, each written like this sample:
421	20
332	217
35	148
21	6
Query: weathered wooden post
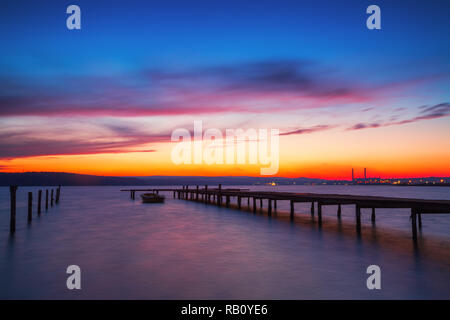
358	217
248	201
269	207
292	210
275	204
319	212
239	202
46	199
312	208
30	206
51	199
339	210
227	201
206	193
174	194
254	205
373	215
414	224
12	222
39	201
58	192
196	193
260	202
219	199
419	217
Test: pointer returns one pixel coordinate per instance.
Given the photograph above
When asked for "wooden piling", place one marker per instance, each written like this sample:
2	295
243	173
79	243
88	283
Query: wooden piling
30	206
254	205
51	199
319	212
312	208
239	202
39	202
373	215
339	211
260	203
275	204
46	199
414	224
292	210
58	192
196	193
358	217
12	222
269	207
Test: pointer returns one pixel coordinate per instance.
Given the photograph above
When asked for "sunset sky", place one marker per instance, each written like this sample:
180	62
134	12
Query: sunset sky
105	99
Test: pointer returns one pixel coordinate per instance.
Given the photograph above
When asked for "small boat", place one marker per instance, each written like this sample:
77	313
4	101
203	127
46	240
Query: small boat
152	198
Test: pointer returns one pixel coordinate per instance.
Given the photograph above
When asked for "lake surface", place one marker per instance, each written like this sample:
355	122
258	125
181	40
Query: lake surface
188	250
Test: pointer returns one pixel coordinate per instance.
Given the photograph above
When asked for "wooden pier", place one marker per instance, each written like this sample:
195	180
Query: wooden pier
217	195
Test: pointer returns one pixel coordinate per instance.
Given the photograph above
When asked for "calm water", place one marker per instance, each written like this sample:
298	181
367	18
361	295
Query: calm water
188	250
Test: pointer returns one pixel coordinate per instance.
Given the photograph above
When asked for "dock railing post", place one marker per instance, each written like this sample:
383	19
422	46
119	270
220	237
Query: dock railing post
30	206
12	222
39	202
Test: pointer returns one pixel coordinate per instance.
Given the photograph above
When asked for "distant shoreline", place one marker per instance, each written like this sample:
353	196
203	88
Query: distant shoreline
73	179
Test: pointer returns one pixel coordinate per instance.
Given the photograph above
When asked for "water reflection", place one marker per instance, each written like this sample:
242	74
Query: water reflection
188	250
